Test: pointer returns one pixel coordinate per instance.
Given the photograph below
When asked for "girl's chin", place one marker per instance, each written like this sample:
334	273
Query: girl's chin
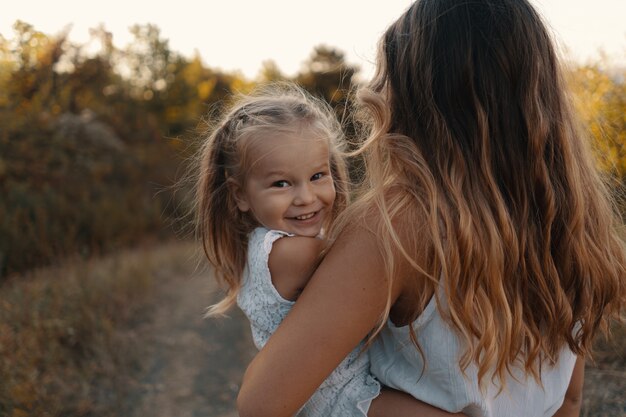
304	231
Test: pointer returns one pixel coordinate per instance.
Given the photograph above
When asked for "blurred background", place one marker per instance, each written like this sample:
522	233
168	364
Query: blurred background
102	107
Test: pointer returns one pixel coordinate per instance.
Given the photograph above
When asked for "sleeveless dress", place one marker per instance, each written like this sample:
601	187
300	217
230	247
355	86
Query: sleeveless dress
350	388
436	378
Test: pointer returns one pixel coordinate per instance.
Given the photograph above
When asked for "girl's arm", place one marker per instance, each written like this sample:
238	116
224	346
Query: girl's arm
573	396
291	262
340	305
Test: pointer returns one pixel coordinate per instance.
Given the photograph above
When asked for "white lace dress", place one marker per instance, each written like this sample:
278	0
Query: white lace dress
350	388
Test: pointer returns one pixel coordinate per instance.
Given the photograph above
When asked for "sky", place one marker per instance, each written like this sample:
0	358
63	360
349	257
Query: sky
240	35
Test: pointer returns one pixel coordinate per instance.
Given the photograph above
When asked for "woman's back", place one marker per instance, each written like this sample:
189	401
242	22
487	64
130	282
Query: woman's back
433	374
484	186
479	187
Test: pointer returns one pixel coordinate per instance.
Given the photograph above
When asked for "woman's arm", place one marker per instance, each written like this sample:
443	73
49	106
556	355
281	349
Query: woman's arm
573	396
392	403
340	305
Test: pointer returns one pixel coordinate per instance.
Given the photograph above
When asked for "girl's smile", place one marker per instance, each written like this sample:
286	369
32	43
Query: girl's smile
306	216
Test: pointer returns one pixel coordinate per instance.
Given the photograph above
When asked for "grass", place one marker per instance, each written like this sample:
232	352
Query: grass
67	346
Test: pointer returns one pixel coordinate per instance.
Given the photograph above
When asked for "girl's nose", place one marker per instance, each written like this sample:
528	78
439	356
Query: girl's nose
304	195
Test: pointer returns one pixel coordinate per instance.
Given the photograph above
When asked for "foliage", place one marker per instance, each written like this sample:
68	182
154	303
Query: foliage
327	75
92	139
600	97
90	142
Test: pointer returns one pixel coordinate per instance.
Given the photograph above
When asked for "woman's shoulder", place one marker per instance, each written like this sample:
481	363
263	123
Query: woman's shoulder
398	235
392	205
393	220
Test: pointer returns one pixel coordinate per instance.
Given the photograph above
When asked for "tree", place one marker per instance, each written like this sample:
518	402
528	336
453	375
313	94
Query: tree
327	75
600	98
270	72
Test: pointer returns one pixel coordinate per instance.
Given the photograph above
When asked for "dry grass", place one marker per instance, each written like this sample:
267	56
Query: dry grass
605	379
69	344
67	347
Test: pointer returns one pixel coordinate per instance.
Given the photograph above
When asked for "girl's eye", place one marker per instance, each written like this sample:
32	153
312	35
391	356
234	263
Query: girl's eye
317	176
280	184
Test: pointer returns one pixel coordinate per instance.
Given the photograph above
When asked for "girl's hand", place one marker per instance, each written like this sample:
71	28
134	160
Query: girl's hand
341	304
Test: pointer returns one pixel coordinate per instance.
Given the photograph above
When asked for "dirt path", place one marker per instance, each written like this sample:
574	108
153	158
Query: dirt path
192	366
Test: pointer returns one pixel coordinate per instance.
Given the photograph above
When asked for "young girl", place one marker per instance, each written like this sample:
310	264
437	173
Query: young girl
272	180
483	255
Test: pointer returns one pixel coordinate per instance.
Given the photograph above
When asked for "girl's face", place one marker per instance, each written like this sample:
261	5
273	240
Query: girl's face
289	186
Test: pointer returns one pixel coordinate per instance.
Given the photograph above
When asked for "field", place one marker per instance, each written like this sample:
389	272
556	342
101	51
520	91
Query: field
100	305
123	335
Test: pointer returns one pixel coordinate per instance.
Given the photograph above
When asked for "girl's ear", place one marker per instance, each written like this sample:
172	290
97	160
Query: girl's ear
240	196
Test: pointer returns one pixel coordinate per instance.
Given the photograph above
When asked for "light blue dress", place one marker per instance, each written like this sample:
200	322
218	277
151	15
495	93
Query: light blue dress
436	378
350	388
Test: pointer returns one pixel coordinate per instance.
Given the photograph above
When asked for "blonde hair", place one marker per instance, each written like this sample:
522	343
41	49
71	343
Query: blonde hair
222	228
483	184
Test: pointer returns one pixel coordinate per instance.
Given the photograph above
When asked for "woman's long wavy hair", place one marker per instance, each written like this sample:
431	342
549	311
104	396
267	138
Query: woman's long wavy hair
485	186
224	163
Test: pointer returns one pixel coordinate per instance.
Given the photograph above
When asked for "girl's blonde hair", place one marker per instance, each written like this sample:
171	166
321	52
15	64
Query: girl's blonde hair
223	166
484	185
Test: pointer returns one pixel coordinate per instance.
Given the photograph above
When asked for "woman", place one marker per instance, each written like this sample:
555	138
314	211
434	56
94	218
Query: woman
481	258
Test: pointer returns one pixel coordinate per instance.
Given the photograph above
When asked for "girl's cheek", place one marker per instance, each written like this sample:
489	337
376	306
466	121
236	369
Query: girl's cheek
332	194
